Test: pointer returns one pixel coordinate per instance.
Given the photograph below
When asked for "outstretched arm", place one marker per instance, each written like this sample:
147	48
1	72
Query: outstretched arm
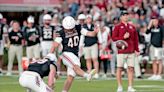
51	76
85	32
57	42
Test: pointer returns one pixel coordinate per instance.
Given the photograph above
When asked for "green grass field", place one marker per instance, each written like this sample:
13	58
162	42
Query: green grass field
10	84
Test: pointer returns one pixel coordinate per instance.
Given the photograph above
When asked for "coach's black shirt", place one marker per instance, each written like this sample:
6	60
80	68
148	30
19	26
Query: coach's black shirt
157	35
89	41
13	35
32	32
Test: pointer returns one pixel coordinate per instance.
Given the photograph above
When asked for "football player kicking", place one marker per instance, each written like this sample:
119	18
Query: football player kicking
32	78
69	37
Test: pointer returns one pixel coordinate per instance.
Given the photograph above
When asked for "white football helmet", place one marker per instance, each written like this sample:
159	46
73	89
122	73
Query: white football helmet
68	22
30	19
47	17
52	57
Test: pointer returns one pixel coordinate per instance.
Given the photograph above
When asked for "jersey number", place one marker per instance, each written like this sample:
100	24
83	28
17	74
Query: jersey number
73	41
47	34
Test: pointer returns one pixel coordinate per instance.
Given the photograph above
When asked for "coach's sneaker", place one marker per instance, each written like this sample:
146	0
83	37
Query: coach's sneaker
104	76
8	74
131	89
96	76
119	89
90	75
152	77
158	77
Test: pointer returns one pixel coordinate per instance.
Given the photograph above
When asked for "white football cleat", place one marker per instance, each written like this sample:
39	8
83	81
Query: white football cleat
91	74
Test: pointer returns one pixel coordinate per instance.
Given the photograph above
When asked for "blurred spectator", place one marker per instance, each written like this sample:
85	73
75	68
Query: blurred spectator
81	22
143	47
15	48
3	32
142	20
10	26
156	50
4	21
32	37
105	52
44	11
101	4
162	11
74	6
24	25
55	20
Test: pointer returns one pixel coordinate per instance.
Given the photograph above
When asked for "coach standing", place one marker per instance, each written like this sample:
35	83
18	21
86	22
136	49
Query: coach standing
91	47
127	32
15	49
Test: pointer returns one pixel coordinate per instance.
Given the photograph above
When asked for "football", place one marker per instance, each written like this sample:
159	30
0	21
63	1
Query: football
121	44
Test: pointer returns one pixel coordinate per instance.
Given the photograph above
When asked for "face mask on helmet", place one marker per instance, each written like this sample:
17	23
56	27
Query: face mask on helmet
47	22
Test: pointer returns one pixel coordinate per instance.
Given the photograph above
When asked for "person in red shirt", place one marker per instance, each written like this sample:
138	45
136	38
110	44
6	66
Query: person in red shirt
126	32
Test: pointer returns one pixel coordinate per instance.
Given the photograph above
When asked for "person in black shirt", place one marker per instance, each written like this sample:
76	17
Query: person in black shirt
91	47
32	37
32	79
15	49
69	37
156	49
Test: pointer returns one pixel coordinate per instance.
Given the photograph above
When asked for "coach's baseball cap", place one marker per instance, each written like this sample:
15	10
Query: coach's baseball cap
123	12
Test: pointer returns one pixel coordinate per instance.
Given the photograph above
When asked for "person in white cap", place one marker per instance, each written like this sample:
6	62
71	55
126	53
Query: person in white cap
81	19
32	37
91	47
69	37
32	79
47	34
3	31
